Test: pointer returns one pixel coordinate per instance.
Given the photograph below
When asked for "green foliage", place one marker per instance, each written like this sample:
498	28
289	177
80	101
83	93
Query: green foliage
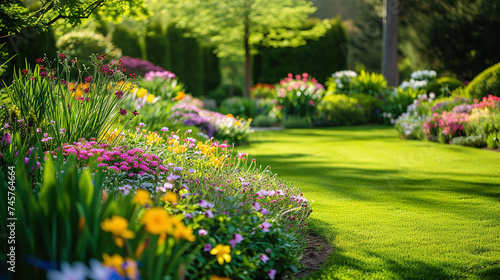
263	121
275	23
450	35
486	83
293	121
125	38
493	141
239	107
319	57
447	104
79	44
373	84
476	141
444	85
223	92
397	103
340	109
195	65
369	104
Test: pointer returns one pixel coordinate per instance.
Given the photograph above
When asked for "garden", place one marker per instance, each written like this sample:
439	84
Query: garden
136	142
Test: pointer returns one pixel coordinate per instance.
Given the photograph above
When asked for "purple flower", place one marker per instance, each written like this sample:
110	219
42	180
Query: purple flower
164	129
6	125
262	193
256	205
245	184
271	273
264	258
191	170
207	247
205	204
264	211
188	216
26	160
173	177
209	214
237	239
268	251
178	169
202	232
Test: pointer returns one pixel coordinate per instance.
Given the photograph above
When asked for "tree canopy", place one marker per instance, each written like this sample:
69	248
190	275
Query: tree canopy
235	27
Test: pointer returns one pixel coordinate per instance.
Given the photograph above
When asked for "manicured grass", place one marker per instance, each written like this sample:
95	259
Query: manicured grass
392	209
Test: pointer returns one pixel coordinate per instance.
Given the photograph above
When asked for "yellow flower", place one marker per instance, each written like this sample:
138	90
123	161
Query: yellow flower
118	226
215	277
141	197
180	95
184	232
222	253
150	98
230	116
237	123
123	267
141	92
157	221
153	138
170	197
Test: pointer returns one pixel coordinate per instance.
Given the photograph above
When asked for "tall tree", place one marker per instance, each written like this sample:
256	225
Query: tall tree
235	27
390	46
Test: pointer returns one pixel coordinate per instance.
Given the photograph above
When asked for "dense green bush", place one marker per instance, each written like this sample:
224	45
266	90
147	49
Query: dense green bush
239	107
127	40
82	43
443	86
340	109
369	104
486	83
373	84
263	121
318	58
292	121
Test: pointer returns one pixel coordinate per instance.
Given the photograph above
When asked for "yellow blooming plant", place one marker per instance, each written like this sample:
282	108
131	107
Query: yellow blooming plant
222	253
118	226
141	197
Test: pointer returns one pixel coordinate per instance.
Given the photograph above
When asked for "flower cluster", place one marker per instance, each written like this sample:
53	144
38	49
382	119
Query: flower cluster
151	75
490	102
424	75
449	124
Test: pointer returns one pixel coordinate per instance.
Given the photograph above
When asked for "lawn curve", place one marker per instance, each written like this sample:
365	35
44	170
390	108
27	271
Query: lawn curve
392	208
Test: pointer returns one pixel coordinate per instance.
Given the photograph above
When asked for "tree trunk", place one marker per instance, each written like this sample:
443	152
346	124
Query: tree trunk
247	71
390	44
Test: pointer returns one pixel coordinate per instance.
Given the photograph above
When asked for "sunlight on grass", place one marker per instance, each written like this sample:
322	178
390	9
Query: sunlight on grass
393	209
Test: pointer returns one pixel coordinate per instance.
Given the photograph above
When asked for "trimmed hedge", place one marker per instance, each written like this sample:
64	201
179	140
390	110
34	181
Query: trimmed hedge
318	58
486	83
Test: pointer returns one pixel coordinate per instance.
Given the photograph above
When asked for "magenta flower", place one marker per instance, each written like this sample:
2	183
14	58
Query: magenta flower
209	214
205	204
256	205
168	186
164	129
202	232
268	251
119	94
207	247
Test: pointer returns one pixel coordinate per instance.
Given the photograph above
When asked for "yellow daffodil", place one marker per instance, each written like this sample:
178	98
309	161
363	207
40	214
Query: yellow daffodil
222	253
141	92
184	232
141	197
118	226
157	221
180	95
170	197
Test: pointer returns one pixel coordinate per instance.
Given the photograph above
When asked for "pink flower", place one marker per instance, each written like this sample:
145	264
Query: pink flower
202	232
256	205
207	247
264	258
271	273
265	226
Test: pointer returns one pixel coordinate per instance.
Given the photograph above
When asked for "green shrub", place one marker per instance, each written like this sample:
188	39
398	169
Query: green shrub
486	83
372	84
239	107
320	58
443	86
493	141
292	121
82	43
398	103
125	38
263	121
340	109
476	141
369	104
447	104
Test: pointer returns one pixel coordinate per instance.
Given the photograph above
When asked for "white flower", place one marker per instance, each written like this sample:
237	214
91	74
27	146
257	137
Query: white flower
68	272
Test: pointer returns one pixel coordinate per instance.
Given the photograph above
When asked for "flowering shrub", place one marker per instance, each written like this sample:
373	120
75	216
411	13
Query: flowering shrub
262	91
488	102
409	124
213	124
424	75
341	81
445	126
298	96
340	109
139	66
447	104
47	106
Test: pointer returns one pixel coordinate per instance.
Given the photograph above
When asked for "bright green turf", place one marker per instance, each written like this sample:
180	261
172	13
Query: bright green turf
393	209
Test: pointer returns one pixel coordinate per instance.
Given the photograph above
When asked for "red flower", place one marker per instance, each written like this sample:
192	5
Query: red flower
119	94
132	75
63	56
39	61
24	71
135	113
88	79
123	112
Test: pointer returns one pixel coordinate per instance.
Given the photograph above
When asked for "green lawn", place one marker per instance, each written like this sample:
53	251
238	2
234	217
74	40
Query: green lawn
391	208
